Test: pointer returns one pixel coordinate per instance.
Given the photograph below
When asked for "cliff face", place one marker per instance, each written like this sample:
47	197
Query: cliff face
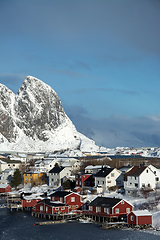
34	119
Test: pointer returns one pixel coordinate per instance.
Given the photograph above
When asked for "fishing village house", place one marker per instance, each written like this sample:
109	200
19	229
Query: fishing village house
72	164
45	164
6	175
5	188
9	164
69	198
57	176
49	208
30	200
34	178
109	208
141	178
139	217
107	177
84	180
93	169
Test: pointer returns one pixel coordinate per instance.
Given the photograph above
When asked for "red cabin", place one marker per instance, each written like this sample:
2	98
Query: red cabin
140	217
29	203
84	180
69	198
47	207
110	207
5	188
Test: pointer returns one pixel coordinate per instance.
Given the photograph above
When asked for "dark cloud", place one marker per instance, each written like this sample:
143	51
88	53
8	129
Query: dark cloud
134	23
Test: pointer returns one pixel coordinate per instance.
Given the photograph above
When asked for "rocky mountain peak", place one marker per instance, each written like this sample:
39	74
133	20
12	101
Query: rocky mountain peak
34	120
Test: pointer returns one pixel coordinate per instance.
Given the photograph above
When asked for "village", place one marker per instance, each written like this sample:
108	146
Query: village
56	189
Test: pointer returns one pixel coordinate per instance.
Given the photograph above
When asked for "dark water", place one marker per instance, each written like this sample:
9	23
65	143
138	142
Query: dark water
20	226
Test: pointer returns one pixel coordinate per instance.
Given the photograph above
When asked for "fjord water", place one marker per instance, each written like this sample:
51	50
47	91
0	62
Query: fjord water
20	226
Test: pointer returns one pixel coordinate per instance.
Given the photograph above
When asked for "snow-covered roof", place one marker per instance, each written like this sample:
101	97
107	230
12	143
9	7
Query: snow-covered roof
3	185
142	213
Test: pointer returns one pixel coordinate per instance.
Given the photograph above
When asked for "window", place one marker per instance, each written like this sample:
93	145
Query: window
157	179
122	202
61	199
62	208
28	200
112	174
46	209
102	182
108	181
57	208
98	182
131	218
136	185
98	209
106	210
72	199
90	208
53	198
117	210
147	171
135	178
143	185
52	180
41	208
127	210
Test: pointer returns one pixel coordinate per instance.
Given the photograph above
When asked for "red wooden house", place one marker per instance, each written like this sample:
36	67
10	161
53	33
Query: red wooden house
140	217
4	188
85	179
69	198
47	207
29	203
110	207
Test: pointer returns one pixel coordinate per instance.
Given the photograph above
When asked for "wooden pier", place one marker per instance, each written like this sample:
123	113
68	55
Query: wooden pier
50	222
57	217
14	202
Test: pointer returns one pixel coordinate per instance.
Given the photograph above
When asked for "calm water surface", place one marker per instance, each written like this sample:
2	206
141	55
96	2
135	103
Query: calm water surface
20	226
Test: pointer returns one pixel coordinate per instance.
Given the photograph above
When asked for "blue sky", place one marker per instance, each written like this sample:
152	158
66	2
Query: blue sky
102	57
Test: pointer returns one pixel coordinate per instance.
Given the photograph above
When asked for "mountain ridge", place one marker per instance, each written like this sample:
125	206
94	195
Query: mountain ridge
34	119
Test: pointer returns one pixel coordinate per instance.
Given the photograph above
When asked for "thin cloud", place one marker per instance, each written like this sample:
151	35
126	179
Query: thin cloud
121	91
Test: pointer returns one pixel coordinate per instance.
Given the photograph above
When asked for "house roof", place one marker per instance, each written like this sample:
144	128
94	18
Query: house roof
60	194
56	170
4	185
104	172
142	213
47	201
136	171
105	202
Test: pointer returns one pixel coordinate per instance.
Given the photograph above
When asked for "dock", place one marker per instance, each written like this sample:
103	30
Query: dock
50	222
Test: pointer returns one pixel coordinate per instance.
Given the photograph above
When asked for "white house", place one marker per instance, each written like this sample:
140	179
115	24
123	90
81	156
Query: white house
141	177
9	165
106	177
57	175
45	164
71	164
6	176
94	168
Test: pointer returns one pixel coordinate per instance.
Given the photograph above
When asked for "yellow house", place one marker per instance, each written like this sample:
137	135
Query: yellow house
34	178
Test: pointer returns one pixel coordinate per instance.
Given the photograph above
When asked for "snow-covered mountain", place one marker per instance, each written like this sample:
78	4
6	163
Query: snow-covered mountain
34	120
